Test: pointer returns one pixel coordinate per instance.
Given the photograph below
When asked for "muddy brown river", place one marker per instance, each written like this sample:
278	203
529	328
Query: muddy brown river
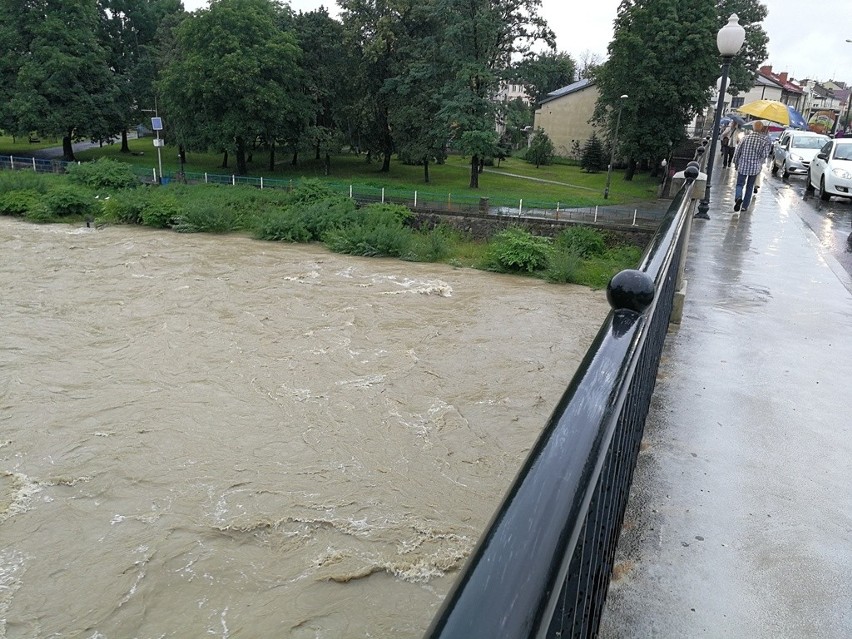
206	436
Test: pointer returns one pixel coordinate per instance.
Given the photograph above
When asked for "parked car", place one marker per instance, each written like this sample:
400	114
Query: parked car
794	151
831	170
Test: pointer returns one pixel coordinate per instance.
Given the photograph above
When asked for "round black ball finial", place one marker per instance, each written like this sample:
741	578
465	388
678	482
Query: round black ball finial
691	171
699	150
630	289
694	163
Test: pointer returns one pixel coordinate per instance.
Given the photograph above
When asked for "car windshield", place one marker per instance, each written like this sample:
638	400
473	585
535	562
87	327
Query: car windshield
843	152
808	142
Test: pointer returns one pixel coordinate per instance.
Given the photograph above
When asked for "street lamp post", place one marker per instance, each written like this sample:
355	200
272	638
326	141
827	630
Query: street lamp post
614	143
729	40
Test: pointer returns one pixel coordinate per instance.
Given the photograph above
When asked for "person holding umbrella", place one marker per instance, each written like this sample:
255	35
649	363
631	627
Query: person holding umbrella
749	158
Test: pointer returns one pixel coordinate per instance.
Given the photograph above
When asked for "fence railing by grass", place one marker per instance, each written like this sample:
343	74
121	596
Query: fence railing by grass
577	211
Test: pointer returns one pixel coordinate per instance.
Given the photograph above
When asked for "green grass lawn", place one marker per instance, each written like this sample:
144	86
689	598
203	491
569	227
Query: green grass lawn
10	146
514	180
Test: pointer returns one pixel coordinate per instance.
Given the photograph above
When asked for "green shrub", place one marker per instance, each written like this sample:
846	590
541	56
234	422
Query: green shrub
515	250
18	203
431	246
563	267
387	214
103	174
161	209
310	191
598	271
283	226
125	207
582	240
68	201
208	217
326	215
380	240
26	181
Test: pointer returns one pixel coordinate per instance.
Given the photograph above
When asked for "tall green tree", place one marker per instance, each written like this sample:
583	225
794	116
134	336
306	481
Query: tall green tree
751	13
234	76
480	40
129	32
545	72
379	32
327	86
654	44
63	85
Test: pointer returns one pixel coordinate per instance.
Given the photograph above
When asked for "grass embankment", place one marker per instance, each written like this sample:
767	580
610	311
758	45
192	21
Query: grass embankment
108	192
544	187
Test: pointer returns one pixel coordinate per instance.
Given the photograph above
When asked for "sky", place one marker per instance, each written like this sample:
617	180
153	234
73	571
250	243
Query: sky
803	45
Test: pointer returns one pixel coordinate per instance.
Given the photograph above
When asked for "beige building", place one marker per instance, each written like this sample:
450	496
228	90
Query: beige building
565	114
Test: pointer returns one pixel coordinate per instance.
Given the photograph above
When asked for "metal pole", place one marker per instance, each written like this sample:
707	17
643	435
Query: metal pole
704	205
159	158
612	150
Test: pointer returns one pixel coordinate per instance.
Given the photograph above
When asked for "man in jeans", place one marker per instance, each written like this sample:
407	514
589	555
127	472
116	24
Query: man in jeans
749	157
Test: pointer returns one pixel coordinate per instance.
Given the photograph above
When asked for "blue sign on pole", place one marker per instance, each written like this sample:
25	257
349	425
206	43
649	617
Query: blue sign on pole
157	124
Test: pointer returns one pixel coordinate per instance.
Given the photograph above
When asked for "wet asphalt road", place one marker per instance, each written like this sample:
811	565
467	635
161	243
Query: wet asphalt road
830	221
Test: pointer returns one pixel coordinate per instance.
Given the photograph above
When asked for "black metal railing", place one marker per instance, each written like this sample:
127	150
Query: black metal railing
542	566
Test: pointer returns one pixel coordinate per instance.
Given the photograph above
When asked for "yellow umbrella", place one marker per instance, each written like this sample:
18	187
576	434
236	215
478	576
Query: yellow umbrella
767	110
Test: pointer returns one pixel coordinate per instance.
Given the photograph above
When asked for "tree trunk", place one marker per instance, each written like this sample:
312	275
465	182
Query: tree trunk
631	170
225	160
125	148
242	168
386	162
327	164
272	156
474	172
295	160
317	151
67	149
426	170
481	164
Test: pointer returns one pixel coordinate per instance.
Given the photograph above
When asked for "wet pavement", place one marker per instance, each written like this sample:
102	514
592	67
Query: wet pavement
740	516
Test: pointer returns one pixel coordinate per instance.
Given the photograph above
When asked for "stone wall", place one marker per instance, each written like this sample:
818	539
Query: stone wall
481	227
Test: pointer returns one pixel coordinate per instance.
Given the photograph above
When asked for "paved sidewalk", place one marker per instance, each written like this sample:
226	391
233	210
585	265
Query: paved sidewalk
740	521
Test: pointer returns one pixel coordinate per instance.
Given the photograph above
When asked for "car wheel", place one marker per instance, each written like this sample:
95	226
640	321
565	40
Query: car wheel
809	185
823	194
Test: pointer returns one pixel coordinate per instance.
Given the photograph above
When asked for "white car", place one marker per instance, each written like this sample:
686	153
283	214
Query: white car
794	151
831	170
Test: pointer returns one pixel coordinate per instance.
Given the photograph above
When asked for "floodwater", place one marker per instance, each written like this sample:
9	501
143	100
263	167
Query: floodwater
206	436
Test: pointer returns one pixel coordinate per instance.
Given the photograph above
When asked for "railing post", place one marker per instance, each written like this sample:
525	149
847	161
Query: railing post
12	162
205	178
35	170
520	208
690	173
383	195
261	182
155	175
415	199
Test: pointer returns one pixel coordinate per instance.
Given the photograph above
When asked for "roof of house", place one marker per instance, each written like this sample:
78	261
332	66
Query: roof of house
571	88
780	78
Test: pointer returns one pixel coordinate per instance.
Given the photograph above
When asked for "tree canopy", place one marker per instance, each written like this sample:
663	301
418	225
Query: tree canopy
663	57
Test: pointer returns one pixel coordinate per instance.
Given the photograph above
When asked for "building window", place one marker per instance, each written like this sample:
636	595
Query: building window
737	102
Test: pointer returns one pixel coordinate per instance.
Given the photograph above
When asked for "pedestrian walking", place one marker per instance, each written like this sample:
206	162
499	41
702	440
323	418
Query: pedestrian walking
749	158
728	143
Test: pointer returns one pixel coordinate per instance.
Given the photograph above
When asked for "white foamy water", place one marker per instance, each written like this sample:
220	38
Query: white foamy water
215	436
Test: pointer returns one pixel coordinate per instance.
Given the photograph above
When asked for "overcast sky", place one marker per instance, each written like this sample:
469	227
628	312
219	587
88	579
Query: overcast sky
807	42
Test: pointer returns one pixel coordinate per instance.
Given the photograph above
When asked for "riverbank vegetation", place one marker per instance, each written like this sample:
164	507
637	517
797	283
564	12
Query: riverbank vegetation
107	192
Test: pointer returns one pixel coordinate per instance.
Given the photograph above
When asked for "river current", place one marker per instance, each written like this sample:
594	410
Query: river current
207	436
